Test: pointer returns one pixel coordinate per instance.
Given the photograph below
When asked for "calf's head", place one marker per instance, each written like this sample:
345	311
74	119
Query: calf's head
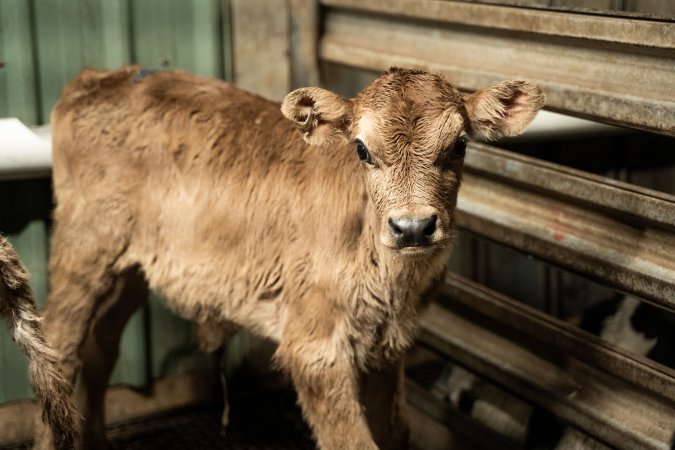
409	128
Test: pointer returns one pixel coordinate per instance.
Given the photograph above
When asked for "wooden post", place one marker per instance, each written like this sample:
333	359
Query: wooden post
274	45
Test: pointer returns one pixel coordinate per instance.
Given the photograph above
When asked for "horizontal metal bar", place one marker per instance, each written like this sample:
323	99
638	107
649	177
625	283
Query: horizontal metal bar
643	32
589	399
640	204
478	435
548	125
619	84
427	434
565	338
610	231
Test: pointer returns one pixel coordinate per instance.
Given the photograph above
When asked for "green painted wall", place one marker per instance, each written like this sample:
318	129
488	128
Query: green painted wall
24	209
43	44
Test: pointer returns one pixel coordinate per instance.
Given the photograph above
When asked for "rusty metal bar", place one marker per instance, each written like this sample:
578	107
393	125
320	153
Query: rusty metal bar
562	336
478	435
643	32
427	434
640	204
617	233
623	79
587	398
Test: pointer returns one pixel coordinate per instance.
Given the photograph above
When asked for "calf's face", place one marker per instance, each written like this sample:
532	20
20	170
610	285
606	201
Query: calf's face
409	129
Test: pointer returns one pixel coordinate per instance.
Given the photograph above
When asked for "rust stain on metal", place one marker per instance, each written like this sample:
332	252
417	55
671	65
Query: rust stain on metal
557	226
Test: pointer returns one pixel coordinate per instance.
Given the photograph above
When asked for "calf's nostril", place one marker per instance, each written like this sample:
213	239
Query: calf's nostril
430	225
394	227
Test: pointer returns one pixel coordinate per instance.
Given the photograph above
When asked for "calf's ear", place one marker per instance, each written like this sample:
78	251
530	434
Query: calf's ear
320	115
505	109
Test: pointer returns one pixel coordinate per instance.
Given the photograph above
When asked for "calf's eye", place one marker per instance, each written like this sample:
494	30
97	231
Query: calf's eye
459	149
363	153
451	155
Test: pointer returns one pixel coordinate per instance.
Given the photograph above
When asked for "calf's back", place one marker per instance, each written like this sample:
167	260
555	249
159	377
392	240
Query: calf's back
202	184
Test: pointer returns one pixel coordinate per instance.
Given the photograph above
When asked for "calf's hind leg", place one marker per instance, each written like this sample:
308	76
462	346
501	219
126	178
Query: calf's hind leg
81	272
100	350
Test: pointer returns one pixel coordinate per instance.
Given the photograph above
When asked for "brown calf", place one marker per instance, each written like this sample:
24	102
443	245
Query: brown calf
17	307
329	245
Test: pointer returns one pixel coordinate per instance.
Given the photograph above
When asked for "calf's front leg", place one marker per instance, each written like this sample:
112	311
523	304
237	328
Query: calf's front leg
328	395
382	393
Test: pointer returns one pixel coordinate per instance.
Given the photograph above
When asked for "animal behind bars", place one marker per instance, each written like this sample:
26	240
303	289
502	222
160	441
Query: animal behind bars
328	241
17	307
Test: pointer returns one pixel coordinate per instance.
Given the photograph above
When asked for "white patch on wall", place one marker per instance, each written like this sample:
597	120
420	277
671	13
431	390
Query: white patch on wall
24	152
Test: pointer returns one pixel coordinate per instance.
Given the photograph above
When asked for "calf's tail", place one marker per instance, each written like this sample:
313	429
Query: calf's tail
17	307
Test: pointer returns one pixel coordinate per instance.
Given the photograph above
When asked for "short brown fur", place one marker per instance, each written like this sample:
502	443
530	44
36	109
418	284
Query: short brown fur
213	196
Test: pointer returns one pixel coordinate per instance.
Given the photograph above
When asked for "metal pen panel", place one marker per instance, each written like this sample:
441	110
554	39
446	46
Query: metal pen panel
615	70
561	336
590	399
605	229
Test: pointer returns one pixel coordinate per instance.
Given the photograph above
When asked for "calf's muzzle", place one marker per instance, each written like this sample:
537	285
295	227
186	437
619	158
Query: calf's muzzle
413	231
